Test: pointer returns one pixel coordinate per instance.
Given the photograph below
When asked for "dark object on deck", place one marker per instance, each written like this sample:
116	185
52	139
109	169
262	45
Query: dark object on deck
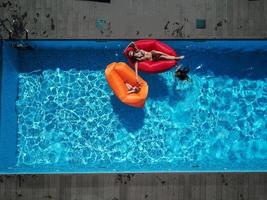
52	24
220	23
200	23
102	1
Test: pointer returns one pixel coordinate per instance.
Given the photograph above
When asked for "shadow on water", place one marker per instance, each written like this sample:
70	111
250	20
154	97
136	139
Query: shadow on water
177	94
158	88
132	118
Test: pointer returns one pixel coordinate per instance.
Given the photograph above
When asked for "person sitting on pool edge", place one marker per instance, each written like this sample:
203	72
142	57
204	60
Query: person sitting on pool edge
138	55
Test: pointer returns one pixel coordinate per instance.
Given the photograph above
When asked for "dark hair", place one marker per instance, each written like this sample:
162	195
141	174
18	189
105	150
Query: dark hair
182	74
132	58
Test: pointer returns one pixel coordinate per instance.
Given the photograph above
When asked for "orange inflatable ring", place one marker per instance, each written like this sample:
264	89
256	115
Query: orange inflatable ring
117	74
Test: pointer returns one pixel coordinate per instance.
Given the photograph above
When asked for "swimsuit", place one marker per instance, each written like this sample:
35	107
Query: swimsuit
156	57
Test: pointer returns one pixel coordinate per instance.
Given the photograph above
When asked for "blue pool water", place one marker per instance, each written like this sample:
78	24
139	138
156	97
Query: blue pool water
59	115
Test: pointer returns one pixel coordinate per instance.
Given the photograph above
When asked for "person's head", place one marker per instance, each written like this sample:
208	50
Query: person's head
182	74
134	54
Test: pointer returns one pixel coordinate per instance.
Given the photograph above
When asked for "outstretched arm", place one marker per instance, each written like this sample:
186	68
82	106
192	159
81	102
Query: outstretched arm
132	44
136	72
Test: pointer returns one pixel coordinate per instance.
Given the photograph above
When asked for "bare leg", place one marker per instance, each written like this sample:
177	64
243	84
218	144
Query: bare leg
158	52
168	57
130	87
131	91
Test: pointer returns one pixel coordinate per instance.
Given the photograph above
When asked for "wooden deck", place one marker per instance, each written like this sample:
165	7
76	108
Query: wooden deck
234	186
137	18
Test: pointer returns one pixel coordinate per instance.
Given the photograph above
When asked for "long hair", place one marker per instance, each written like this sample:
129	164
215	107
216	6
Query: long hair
181	73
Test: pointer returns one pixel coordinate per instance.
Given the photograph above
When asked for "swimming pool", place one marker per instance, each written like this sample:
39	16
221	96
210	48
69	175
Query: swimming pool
58	114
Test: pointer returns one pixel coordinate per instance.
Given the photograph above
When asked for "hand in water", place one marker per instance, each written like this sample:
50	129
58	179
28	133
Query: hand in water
181	57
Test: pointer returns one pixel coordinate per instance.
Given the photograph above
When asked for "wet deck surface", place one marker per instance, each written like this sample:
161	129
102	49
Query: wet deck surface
234	186
136	18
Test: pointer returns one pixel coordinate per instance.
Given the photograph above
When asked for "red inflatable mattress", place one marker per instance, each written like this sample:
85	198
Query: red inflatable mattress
152	66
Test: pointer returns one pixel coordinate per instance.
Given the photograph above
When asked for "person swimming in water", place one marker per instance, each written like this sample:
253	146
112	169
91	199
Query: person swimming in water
181	73
138	55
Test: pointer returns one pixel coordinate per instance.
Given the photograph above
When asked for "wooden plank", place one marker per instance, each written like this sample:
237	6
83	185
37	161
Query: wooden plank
82	187
210	186
123	190
10	187
256	14
235	27
187	187
195	186
229	186
203	187
179	186
64	191
164	186
260	180
219	186
47	19
109	187
133	187
243	19
75	23
265	19
259	23
50	187
60	19
53	18
219	18
38	17
251	17
34	21
230	18
242	186
71	21
83	28
210	20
